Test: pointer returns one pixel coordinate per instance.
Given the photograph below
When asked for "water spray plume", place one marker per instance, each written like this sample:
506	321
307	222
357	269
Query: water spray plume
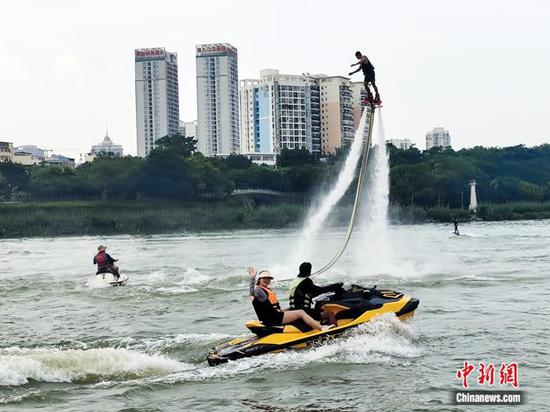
345	178
318	217
374	252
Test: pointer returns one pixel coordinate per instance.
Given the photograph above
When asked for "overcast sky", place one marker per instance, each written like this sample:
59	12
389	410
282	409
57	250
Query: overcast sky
479	68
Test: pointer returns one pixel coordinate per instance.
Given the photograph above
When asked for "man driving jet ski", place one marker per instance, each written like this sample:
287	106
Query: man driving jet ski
267	306
302	290
105	263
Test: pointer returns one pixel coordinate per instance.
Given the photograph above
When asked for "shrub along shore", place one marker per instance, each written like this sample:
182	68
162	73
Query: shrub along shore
177	189
77	218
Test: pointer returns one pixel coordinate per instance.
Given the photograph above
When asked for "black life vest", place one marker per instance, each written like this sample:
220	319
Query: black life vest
101	259
298	299
268	308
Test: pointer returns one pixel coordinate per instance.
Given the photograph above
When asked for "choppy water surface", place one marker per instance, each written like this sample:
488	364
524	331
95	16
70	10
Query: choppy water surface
63	346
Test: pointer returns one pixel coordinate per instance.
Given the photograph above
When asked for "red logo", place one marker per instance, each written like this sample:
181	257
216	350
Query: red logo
508	373
486	374
464	372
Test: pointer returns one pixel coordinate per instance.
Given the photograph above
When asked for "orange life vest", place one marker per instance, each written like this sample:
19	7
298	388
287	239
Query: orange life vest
272	297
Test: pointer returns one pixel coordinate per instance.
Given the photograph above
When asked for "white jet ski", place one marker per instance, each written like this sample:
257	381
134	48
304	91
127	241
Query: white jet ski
106	280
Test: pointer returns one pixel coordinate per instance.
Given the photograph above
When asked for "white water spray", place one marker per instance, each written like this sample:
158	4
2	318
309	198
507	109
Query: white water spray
374	253
319	215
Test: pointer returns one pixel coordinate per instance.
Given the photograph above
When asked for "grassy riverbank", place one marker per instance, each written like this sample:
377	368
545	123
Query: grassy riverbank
147	217
487	212
89	218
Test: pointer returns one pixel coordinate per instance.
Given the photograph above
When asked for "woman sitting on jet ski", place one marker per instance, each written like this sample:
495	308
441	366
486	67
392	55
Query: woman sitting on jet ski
267	306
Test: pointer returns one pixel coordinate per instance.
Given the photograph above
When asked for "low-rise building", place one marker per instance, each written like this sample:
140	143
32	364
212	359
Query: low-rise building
25	159
263	158
35	152
59	160
87	158
6	152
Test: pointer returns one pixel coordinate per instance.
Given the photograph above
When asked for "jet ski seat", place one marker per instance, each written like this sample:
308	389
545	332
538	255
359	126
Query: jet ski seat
262	330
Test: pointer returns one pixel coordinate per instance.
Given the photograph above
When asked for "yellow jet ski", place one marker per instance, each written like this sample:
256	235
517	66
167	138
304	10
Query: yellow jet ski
352	307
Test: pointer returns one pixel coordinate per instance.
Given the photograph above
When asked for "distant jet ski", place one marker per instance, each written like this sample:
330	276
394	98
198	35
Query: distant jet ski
351	307
107	279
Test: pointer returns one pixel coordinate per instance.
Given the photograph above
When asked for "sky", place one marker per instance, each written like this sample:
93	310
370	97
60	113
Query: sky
481	69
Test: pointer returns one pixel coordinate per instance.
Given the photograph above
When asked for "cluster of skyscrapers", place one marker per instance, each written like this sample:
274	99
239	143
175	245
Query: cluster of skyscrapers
255	117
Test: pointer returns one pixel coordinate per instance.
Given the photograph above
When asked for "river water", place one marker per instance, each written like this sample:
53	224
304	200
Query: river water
63	346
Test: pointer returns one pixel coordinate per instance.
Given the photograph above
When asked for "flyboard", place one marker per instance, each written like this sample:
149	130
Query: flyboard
106	280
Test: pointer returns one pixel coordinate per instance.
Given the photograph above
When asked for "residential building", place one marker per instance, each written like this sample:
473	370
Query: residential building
256	113
217	99
59	160
157	97
6	152
280	111
87	158
189	129
337	120
25	158
316	112
36	152
358	98
263	158
404	144
438	137
107	147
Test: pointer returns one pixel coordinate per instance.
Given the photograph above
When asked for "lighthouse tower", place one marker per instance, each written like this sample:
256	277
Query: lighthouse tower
473	198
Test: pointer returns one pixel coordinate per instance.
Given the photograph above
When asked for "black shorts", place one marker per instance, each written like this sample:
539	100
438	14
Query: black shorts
369	76
275	318
314	313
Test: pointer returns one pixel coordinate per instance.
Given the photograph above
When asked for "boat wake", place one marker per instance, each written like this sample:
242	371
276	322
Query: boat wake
384	340
19	366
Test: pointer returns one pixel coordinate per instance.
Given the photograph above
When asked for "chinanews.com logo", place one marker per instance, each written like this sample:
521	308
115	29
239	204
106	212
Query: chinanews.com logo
498	378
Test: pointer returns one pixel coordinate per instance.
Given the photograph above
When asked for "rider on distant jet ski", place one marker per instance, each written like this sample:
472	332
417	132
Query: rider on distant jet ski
302	290
105	263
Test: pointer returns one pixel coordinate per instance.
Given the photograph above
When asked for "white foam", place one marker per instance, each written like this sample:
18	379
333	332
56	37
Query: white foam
158	344
193	277
18	365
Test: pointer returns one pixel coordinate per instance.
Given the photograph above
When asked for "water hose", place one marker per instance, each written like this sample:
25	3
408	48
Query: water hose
361	177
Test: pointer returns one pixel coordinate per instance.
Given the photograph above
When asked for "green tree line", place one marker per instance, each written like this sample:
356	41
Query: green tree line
440	177
176	171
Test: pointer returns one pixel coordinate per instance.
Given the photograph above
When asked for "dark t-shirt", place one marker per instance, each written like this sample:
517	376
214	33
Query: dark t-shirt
109	259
